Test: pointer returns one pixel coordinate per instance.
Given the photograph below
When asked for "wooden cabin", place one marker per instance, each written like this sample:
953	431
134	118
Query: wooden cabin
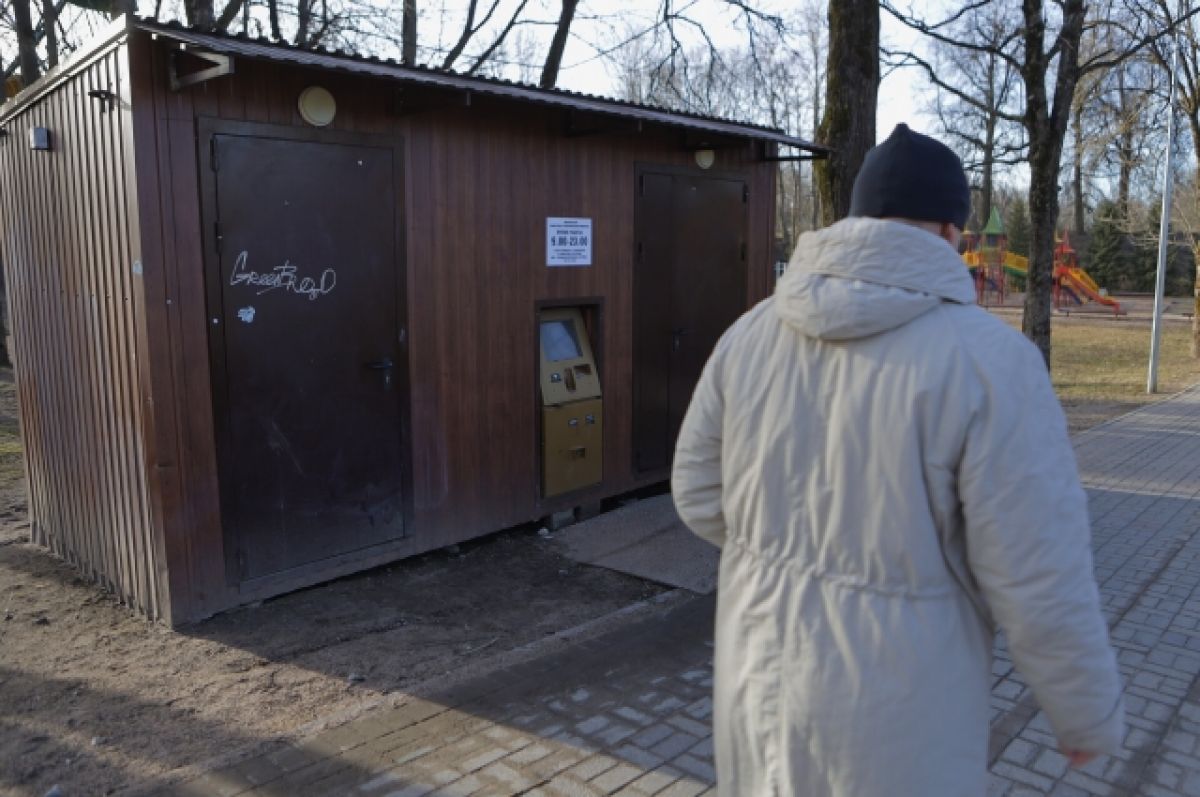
279	315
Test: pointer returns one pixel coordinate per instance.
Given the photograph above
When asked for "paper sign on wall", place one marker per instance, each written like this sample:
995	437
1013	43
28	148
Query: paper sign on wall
568	241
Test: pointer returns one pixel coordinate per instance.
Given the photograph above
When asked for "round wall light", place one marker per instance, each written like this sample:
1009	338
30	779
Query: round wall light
705	158
317	106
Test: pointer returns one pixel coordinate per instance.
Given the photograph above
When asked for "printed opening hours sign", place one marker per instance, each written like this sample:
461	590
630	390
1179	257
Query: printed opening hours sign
568	241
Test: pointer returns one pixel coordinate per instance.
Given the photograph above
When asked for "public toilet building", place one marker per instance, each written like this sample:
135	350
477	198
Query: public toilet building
278	315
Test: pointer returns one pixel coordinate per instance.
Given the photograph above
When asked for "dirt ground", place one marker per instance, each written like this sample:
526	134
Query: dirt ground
96	701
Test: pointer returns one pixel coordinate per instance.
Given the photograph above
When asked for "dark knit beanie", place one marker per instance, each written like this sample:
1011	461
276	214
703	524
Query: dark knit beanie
911	176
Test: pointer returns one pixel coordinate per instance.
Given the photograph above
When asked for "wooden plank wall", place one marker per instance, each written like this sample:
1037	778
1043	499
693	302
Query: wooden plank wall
480	182
69	227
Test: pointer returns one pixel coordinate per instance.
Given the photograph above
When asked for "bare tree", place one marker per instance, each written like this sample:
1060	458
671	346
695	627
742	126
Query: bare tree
1048	60
470	28
1187	221
31	68
1187	80
851	91
498	42
200	13
409	33
975	92
1111	132
813	30
50	26
558	44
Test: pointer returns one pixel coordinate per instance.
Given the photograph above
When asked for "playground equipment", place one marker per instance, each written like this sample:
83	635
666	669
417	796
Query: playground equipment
1071	283
991	264
988	258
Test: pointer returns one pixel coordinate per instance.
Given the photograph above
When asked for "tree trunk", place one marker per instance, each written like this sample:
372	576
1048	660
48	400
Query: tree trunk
1124	147
200	13
1043	216
273	17
408	33
989	166
1046	128
812	168
989	147
815	40
50	28
558	45
1125	175
851	89
303	21
464	37
1196	307
1194	125
1077	173
31	68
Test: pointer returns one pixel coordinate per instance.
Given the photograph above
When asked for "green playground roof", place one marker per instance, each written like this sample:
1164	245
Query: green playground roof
994	225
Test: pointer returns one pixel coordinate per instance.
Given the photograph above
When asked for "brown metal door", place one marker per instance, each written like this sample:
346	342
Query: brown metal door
306	342
690	285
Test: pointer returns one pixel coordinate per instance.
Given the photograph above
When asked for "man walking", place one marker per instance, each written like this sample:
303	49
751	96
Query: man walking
887	471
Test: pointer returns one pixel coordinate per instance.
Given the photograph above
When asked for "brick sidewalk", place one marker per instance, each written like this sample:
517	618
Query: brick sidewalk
628	713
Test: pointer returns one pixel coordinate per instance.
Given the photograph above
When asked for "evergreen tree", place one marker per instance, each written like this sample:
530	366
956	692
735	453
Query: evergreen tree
1108	258
1016	221
1144	260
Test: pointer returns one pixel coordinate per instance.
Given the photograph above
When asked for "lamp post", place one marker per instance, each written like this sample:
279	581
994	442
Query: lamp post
1164	230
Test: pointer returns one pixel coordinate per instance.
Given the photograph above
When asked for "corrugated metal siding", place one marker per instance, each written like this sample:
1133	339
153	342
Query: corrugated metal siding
68	246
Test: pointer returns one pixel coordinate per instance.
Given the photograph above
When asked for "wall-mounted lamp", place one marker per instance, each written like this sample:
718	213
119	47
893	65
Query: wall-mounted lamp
317	106
705	158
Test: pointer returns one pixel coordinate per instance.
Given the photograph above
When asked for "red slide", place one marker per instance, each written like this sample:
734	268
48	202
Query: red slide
1081	288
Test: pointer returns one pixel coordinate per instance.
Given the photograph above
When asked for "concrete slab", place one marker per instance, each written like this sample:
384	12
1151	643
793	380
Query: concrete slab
645	539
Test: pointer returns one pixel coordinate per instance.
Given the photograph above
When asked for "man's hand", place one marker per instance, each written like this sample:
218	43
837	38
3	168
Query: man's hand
1078	758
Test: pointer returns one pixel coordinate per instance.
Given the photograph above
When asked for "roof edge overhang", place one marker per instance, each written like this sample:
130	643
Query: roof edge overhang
109	37
258	49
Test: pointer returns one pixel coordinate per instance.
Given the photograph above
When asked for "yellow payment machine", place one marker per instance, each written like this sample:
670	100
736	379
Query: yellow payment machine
572	419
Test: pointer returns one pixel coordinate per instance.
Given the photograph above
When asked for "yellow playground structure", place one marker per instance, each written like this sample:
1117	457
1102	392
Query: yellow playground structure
991	263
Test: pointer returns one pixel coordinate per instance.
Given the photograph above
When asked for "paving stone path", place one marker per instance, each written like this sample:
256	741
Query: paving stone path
629	712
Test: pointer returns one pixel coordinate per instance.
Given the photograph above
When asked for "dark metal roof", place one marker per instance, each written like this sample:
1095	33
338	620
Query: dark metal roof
246	47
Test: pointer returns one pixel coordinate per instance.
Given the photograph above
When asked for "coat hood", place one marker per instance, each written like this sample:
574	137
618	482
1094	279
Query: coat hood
864	276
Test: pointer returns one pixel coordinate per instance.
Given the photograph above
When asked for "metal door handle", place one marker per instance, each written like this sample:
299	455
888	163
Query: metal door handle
386	365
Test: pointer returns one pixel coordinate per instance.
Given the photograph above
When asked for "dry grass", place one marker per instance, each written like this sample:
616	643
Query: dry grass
1107	360
1098	366
12	464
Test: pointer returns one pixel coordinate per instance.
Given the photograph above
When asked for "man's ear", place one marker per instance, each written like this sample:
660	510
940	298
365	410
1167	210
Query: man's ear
950	233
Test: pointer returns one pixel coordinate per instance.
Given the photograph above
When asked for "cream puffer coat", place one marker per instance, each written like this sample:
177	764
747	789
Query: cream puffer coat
887	471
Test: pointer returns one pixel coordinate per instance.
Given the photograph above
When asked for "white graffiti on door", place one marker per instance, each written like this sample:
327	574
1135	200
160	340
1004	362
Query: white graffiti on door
282	278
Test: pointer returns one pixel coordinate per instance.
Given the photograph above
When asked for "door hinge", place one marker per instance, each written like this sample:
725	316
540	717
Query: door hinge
213	157
640	249
217	235
743	251
641	185
745	193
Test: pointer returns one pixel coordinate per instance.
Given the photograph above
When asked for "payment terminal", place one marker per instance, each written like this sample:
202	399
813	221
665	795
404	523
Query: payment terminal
572	407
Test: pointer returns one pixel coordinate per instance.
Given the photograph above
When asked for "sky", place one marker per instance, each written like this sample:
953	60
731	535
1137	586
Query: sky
583	71
899	92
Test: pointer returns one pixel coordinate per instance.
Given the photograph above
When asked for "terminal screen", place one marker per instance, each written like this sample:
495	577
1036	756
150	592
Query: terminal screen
559	341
